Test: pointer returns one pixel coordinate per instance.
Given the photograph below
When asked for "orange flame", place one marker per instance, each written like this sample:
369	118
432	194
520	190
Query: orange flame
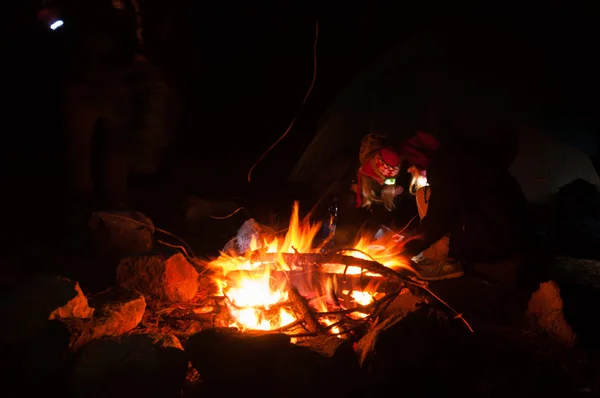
253	293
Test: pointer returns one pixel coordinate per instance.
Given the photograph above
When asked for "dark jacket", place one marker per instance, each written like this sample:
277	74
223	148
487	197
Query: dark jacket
476	202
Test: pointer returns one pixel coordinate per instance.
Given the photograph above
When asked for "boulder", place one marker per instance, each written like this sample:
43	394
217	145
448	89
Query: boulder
545	313
49	318
136	365
33	341
405	303
412	350
159	277
121	233
27	309
250	234
117	313
232	363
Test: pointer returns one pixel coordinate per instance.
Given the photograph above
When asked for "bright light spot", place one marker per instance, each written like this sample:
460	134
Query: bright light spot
390	181
56	24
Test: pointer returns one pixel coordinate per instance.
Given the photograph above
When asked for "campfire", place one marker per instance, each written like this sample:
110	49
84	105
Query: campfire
306	316
289	283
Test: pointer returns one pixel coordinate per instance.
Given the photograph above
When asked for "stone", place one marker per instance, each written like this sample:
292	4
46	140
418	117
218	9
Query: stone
405	303
33	340
249	237
545	313
268	364
121	233
117	313
404	350
174	278
136	365
27	309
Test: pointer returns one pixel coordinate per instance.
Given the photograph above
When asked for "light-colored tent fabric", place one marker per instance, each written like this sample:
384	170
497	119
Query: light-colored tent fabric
476	76
544	164
451	71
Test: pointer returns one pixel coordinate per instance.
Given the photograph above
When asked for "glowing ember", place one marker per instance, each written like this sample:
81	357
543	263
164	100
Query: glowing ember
362	298
256	292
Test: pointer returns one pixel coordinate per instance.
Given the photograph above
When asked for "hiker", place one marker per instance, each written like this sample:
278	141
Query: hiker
376	178
117	108
368	197
473	211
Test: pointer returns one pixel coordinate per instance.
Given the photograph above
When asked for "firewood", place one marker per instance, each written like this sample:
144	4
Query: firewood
305	260
305	312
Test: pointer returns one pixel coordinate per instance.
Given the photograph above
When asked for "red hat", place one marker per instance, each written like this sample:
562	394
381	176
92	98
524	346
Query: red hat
382	164
419	149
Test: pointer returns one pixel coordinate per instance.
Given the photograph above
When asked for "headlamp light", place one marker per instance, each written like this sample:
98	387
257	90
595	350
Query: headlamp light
50	17
56	24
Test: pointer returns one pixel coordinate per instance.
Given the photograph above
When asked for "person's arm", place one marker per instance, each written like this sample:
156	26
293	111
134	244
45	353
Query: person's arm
444	206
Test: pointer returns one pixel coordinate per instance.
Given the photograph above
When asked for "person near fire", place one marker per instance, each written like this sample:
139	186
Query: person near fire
118	109
471	208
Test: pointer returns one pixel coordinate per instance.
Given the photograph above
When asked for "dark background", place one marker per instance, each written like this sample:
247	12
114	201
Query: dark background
242	70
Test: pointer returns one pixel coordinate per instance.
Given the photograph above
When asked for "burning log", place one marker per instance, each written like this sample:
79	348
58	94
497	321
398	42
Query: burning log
340	308
305	260
304	311
173	278
362	281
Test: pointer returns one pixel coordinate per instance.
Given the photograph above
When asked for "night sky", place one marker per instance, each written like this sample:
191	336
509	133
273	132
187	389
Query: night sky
243	69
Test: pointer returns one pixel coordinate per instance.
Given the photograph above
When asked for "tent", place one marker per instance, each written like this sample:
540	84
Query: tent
484	83
544	164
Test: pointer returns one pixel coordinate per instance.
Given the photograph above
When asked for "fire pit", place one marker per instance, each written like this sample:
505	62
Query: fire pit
287	284
274	308
275	312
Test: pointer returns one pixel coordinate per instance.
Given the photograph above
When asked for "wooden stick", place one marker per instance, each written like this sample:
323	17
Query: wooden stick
305	311
316	259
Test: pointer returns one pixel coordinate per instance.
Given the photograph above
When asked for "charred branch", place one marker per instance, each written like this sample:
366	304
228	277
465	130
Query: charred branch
310	262
305	312
304	260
